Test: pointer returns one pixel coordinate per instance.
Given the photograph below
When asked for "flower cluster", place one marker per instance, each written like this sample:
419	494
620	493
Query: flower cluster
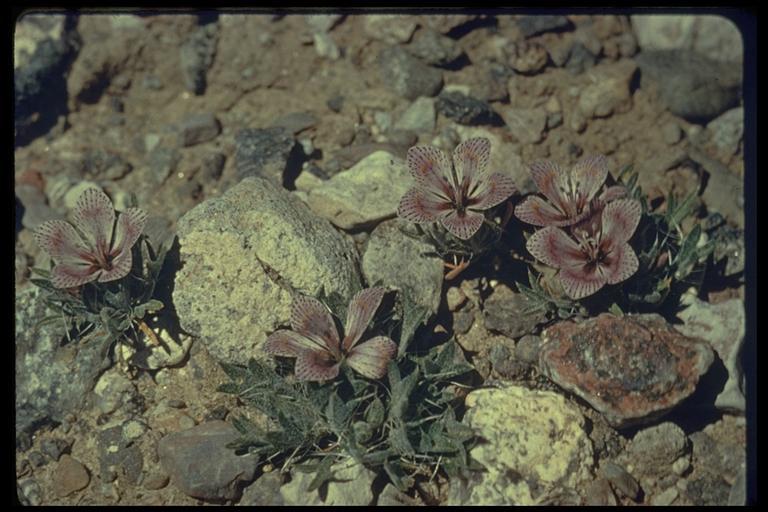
592	250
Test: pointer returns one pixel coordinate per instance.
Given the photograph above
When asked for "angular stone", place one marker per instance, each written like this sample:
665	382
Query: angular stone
728	131
351	486
503	313
264	492
199	128
403	263
419	117
196	56
654	450
69	476
244	256
609	90
434	48
690	85
367	193
537	24
322	22
390	28
408	76
527	58
466	110
535	443
527	125
632	369
723	325
201	465
297	122
621	480
266	152
724	192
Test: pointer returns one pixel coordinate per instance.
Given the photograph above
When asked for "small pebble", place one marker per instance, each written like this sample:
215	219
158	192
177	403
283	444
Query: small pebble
155	481
36	459
621	479
54	448
176	403
335	103
455	298
671	133
69	476
681	465
218	413
665	498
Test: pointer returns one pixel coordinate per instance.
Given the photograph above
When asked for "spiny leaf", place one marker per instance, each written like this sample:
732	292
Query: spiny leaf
323	474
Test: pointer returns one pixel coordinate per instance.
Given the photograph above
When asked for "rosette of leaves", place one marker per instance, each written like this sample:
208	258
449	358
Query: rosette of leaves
109	312
672	257
406	425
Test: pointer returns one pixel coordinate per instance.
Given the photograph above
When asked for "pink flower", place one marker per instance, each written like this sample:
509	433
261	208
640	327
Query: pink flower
569	194
593	259
454	194
315	343
99	249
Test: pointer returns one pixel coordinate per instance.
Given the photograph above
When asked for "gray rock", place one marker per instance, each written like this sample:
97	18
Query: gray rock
467	110
351	486
729	244
671	133
36	459
708	490
270	152
30	493
527	349
503	313
198	128
725	190
244	256
728	131
526	57
113	391
690	85
264	492
389	28
399	261
213	166
200	464
580	59
621	480
102	164
162	162
609	90
367	193
325	46
196	57
55	448
36	211
434	48
527	125
652	451
713	36
297	122
723	325
532	25
408	76
44	46
119	455
322	22
335	103
51	381
738	495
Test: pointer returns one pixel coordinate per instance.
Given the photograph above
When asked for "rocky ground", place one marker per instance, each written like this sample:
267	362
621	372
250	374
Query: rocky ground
187	112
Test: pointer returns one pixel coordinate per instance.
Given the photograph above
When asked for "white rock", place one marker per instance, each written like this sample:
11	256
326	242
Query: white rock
713	36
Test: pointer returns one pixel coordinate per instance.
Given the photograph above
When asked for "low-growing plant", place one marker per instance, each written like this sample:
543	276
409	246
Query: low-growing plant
104	273
406	425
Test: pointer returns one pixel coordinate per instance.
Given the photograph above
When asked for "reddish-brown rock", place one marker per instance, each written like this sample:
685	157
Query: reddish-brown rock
632	369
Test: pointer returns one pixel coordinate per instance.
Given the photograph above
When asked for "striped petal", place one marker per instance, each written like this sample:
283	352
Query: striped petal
553	247
583	281
534	210
463	225
288	343
491	191
620	264
121	266
587	176
129	226
419	207
550	180
470	159
60	240
360	311
310	318
619	222
95	217
370	358
316	365
431	169
70	275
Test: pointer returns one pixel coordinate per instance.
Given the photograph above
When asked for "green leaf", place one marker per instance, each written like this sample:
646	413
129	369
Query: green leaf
376	412
337	413
397	476
414	315
234	372
323	474
616	310
398	439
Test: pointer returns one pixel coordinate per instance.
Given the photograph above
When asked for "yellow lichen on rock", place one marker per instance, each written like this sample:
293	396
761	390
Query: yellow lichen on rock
535	443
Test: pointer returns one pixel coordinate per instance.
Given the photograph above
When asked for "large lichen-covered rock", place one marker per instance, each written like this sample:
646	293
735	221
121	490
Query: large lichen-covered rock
535	443
397	260
244	256
632	369
366	193
51	380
